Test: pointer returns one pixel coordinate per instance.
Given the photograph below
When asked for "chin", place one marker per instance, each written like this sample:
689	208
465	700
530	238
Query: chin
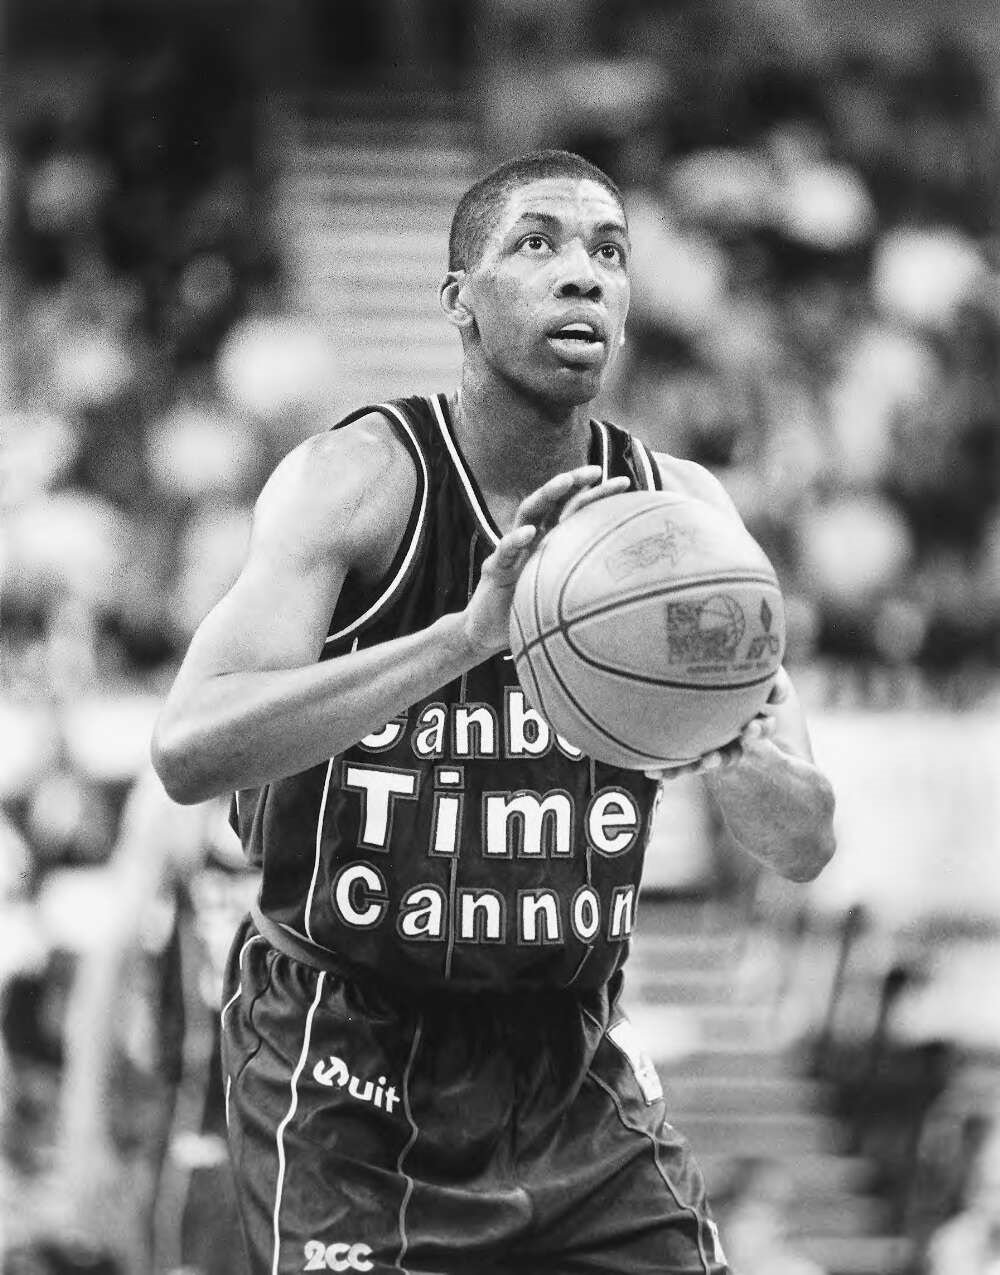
558	389
556	400
568	383
576	386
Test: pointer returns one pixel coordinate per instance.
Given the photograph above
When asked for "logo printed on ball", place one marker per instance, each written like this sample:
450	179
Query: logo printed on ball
630	629
668	545
765	643
707	632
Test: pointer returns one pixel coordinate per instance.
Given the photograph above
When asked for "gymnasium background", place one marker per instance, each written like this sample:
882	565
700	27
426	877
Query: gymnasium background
225	220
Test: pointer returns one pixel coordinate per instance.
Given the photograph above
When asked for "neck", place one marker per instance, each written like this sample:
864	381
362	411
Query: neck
513	444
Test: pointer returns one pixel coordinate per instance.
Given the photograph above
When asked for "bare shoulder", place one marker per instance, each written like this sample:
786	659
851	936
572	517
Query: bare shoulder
692	479
348	487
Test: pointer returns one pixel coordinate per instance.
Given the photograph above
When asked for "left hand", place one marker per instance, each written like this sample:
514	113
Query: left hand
753	740
487	615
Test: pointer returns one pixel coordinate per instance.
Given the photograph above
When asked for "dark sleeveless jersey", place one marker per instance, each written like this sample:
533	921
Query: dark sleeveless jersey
464	844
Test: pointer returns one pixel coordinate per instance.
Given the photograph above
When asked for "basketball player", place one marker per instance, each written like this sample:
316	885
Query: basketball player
426	1061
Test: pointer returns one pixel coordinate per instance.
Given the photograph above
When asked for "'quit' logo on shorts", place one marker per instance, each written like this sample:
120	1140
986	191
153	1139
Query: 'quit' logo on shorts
334	1073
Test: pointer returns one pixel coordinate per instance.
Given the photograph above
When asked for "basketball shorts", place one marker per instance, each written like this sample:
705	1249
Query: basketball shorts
480	1134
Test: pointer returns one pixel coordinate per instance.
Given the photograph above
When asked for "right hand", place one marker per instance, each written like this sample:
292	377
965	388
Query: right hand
487	616
753	741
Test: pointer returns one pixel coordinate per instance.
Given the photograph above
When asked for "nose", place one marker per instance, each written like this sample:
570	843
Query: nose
577	276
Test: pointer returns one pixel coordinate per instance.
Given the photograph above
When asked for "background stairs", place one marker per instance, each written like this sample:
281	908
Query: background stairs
703	1000
372	185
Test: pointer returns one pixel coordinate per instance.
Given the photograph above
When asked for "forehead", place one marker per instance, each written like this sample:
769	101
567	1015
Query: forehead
571	199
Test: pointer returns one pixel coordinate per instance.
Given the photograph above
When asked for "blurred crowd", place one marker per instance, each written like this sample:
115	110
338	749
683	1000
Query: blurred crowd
153	373
816	317
816	309
152	370
139	238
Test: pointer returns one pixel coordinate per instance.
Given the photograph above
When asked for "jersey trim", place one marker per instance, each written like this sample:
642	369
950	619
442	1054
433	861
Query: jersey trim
317	857
469	485
605	437
394	585
646	464
482	514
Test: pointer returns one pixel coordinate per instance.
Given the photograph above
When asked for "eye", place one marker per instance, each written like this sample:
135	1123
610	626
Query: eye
534	245
612	252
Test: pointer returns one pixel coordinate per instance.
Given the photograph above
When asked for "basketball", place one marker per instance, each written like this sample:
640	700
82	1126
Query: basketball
648	629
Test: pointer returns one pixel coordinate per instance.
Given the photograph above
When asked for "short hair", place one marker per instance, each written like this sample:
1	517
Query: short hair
480	207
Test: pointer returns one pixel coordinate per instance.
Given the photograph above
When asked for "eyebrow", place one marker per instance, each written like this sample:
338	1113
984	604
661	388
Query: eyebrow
553	223
612	227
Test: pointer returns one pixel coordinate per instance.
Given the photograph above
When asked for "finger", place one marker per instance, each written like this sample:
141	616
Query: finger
731	754
513	545
542	504
721	758
763	726
710	761
668	773
613	487
758	743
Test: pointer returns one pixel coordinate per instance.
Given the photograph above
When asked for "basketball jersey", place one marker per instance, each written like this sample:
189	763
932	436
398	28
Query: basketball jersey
464	844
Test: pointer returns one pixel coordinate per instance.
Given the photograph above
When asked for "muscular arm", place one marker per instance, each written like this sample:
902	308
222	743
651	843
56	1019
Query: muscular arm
775	800
251	703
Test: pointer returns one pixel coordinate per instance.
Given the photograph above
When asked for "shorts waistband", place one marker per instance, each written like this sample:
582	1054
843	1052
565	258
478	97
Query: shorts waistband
301	949
293	945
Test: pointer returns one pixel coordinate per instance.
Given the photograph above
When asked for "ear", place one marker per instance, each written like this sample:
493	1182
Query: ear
452	296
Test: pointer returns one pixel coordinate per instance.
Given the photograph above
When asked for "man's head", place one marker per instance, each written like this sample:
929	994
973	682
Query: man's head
538	276
480	207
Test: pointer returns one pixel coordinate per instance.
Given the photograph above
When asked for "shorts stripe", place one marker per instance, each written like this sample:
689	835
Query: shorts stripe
280	1135
688	1208
254	938
408	1192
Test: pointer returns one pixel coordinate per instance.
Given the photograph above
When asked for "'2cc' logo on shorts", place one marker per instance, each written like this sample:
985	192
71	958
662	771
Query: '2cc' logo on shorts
337	1257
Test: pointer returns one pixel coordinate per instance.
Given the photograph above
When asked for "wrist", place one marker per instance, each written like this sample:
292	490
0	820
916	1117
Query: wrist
460	639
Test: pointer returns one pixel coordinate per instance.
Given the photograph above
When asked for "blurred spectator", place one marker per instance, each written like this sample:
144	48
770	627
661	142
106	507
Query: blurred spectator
828	348
754	1212
970	1241
814	310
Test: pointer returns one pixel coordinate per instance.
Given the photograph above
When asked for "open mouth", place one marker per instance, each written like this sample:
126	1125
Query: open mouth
583	333
577	342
